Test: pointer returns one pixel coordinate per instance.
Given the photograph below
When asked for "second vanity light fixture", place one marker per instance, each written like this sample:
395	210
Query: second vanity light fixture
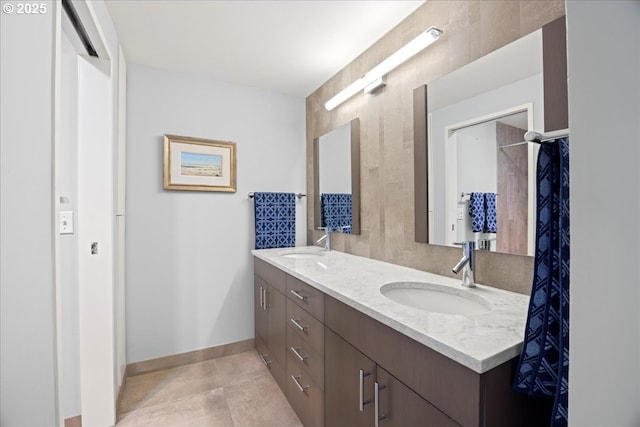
375	78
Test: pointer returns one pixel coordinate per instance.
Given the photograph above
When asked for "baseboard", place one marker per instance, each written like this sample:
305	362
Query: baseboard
73	421
152	365
123	384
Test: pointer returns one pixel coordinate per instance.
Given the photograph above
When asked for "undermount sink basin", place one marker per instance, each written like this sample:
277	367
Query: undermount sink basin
436	298
301	253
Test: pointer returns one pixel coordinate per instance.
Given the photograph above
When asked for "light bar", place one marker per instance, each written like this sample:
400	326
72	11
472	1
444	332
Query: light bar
407	51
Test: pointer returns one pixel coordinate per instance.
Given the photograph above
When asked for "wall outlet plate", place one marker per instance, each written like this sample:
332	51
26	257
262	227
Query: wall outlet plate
66	222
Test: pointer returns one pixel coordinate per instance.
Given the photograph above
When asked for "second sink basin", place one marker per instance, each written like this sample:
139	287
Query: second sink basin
436	298
301	253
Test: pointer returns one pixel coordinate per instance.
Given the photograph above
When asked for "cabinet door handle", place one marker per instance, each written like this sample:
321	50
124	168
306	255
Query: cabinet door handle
261	297
378	417
298	325
361	401
296	380
296	351
264	360
299	295
266	292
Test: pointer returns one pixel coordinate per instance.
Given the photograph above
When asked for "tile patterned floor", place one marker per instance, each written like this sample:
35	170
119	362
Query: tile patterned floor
233	391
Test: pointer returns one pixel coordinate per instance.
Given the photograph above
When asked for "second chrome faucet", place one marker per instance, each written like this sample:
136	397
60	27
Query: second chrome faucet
467	263
325	240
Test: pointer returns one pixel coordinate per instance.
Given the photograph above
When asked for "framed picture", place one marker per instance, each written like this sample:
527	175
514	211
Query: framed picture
199	164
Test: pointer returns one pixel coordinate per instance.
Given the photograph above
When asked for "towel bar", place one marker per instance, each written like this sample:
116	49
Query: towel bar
298	195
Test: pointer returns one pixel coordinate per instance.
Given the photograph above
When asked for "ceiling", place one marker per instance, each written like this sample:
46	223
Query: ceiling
291	47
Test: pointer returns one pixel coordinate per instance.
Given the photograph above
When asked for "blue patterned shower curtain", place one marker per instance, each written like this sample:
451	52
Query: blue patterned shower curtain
544	364
275	220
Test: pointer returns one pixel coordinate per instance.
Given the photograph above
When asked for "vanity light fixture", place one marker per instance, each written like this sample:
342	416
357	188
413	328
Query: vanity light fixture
375	78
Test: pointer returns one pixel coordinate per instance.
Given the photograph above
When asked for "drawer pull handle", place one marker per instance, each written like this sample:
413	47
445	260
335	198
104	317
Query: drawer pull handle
298	325
296	380
361	402
261	297
266	292
378	417
298	355
264	360
299	295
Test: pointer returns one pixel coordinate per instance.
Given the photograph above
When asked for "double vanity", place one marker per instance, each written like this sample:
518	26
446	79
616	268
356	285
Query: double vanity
353	341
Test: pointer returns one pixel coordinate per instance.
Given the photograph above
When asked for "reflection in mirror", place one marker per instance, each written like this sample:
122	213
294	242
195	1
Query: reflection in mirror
337	179
480	182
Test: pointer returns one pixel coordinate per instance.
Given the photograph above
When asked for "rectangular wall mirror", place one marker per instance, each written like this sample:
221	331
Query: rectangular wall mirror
337	179
475	175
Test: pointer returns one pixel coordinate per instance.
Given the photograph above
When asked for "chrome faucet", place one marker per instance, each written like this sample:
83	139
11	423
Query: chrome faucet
326	239
468	263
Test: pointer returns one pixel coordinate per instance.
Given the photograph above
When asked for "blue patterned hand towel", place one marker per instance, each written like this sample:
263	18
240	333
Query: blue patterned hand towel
275	220
490	213
336	211
476	211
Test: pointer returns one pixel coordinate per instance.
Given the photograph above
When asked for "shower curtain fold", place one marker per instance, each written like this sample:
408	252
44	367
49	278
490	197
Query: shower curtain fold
544	363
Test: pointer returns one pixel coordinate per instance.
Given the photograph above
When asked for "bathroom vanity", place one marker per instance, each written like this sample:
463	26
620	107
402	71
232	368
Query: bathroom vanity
346	353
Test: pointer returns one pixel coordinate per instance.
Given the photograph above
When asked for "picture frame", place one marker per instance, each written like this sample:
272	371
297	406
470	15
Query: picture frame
196	164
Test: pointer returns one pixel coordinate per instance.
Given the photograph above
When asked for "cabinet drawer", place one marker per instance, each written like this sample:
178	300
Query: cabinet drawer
270	274
306	296
306	326
304	395
309	359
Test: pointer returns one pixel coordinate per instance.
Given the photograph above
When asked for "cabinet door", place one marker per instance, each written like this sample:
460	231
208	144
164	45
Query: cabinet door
348	395
277	335
396	405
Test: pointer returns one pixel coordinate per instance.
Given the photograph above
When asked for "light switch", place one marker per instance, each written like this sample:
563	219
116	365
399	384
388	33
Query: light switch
66	222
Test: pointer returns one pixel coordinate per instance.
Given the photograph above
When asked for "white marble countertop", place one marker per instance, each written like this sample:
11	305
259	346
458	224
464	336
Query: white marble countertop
479	342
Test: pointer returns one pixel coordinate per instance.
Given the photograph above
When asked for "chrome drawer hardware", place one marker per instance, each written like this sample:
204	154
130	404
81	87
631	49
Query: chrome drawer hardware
296	380
299	295
264	360
378	417
298	325
361	402
298	355
266	292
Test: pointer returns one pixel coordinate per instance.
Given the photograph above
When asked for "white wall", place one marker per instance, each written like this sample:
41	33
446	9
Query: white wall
604	112
27	294
334	153
477	166
189	268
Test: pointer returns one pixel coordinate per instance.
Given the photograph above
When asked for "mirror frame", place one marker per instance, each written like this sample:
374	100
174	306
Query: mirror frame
355	178
556	116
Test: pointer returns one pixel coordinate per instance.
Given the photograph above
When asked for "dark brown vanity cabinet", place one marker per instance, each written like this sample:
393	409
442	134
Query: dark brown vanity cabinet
331	361
270	312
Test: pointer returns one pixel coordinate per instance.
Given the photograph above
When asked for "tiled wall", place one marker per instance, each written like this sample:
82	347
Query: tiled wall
471	30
